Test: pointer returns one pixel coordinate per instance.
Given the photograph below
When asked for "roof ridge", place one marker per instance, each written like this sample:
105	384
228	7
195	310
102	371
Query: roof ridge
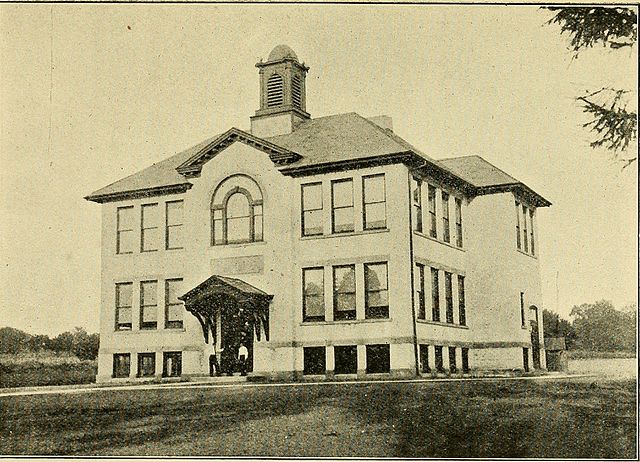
460	157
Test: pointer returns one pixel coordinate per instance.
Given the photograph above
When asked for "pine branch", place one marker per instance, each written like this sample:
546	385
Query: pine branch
587	26
615	126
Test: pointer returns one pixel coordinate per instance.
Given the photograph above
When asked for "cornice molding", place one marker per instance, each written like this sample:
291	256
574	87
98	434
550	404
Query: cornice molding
139	193
278	155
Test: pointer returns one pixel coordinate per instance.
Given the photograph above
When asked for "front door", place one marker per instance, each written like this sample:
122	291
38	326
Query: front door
236	329
535	339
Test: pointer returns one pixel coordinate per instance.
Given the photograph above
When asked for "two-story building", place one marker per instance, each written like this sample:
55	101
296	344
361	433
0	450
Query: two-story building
330	247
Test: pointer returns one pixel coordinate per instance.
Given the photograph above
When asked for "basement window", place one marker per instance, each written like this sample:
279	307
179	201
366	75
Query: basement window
452	360
378	361
146	364
424	358
346	359
172	364
465	360
439	362
121	365
314	360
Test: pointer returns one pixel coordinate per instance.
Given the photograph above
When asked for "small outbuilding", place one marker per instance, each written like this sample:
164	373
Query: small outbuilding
557	358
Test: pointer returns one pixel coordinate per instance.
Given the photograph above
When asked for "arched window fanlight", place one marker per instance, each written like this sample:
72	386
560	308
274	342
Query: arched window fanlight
275	91
236	212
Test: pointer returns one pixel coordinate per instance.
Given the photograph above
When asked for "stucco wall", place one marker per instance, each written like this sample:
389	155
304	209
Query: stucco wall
495	273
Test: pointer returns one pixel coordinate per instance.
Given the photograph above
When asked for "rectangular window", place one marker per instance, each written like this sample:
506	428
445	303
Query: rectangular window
420	292
462	309
149	235
374	205
465	360
315	362
121	365
445	217
435	295
344	292
342	206
124	297
146	364
416	198
525	359
452	360
458	222
376	291
378	361
173	231
533	246
149	305
518	237
174	308
448	293
312	216
172	364
424	358
439	361
433	226
313	297
125	239
522	309
346	359
524	227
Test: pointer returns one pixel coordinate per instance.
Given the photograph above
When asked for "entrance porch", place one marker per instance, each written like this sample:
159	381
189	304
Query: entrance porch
231	313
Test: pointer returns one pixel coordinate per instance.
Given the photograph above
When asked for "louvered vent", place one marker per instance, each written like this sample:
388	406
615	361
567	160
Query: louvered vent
296	91
275	91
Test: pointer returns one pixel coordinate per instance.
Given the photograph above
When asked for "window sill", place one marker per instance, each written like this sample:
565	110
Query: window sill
346	321
448	244
349	234
440	323
535	257
236	245
149	331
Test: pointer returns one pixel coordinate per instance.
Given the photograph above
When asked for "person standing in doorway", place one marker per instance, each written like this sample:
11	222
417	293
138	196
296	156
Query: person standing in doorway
243	355
214	365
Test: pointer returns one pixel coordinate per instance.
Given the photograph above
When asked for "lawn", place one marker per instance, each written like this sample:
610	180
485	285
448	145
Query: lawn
45	368
551	419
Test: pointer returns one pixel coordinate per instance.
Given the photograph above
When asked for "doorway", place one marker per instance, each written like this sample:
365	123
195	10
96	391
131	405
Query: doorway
236	329
535	336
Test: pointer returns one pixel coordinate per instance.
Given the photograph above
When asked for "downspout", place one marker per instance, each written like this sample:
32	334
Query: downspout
413	292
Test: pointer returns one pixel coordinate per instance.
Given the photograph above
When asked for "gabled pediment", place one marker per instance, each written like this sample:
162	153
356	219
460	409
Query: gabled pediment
278	155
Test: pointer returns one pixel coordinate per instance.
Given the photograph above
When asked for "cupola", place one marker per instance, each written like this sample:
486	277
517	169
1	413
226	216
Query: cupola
282	94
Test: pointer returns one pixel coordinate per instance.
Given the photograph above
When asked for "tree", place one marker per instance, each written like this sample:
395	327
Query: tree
13	340
600	327
84	345
615	127
555	326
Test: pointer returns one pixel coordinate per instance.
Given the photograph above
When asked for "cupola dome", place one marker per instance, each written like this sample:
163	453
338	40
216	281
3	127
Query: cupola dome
281	52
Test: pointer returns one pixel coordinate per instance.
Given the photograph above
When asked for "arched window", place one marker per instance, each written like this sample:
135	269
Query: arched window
275	91
236	211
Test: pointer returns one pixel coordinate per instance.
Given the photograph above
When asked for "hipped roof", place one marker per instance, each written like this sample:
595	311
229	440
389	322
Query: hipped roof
338	141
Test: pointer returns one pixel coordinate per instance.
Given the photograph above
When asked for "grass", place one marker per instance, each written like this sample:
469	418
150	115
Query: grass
551	419
44	368
586	354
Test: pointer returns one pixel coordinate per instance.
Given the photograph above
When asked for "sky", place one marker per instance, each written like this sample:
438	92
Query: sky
92	93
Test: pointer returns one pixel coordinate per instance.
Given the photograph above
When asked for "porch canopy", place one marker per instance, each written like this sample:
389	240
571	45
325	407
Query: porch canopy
238	303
